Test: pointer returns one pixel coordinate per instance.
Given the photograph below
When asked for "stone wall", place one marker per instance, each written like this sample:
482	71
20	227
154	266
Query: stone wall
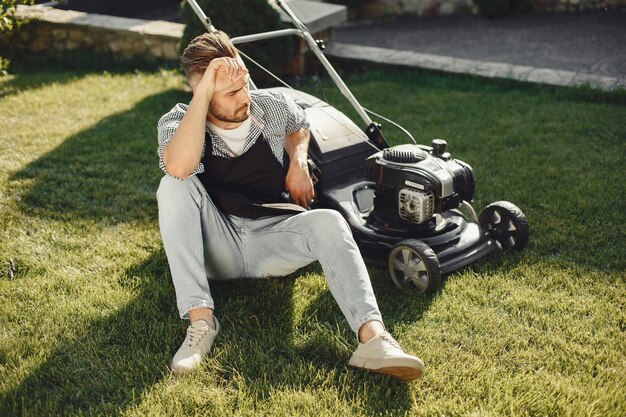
54	31
378	8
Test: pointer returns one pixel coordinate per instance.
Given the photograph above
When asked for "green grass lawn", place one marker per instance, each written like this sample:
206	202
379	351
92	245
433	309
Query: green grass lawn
88	322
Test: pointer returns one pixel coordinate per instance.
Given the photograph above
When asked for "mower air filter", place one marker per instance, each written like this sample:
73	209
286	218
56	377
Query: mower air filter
415	206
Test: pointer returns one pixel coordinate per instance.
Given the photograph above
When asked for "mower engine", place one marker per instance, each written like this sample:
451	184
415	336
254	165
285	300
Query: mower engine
414	182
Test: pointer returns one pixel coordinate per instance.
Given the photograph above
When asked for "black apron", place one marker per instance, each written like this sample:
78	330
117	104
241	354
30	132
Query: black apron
240	186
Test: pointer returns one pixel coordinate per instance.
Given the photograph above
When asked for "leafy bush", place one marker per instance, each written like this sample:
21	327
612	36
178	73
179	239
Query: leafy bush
243	17
8	23
502	8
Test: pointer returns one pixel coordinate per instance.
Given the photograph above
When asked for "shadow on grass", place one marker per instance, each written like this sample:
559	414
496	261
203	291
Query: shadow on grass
265	348
107	173
380	394
105	364
36	80
272	348
67	67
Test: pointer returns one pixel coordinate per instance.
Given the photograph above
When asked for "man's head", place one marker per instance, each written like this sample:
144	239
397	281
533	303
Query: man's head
203	49
229	105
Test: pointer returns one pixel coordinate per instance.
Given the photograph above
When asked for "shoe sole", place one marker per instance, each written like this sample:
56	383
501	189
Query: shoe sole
182	371
403	372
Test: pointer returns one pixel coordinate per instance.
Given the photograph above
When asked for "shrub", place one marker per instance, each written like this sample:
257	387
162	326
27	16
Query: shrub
8	23
502	8
243	17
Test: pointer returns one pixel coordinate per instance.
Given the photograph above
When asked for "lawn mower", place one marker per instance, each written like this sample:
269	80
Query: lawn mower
409	206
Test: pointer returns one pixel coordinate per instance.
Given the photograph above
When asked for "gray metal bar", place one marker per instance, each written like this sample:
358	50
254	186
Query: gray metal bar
266	35
320	55
203	18
292	15
337	79
301	31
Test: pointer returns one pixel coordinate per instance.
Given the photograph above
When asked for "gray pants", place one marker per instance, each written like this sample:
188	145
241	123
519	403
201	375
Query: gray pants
204	244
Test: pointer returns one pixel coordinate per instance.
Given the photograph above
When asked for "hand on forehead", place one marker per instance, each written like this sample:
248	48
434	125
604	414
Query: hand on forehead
232	74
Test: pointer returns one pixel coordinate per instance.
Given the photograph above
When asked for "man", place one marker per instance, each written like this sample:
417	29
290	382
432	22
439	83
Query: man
225	156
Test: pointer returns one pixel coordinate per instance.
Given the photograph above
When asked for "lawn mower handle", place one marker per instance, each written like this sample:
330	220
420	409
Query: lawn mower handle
206	21
372	130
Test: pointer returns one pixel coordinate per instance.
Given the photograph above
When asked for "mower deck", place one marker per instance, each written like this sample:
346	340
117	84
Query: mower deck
456	241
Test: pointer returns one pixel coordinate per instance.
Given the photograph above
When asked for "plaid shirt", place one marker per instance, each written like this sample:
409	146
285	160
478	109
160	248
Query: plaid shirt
273	114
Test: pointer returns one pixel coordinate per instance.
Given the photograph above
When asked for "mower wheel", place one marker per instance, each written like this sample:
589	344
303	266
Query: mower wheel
506	224
413	265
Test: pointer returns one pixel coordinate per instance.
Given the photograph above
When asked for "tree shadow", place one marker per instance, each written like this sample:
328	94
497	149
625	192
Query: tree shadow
108	172
270	346
104	365
26	74
22	82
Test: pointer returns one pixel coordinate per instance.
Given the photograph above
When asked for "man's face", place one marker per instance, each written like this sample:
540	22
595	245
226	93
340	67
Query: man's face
231	103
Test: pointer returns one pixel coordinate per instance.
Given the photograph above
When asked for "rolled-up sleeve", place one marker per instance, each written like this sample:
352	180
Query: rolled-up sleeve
166	127
296	119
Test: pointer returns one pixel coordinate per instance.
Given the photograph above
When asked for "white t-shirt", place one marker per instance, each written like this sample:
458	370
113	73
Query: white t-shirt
235	138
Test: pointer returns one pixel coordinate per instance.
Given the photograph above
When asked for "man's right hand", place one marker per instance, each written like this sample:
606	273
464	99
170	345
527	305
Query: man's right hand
221	74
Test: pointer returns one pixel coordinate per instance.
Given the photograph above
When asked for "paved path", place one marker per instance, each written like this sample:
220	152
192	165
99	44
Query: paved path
558	49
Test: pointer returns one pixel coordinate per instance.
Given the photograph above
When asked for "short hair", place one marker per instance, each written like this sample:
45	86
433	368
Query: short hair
205	48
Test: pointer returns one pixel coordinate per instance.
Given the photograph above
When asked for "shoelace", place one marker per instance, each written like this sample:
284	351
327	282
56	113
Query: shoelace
386	336
195	334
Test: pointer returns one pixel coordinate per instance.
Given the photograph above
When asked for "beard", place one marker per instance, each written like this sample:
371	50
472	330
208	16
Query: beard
220	113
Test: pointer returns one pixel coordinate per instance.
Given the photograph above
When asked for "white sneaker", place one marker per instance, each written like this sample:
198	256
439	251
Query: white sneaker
382	354
200	337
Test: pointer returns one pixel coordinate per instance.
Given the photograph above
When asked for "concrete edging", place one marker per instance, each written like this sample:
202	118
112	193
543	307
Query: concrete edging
468	66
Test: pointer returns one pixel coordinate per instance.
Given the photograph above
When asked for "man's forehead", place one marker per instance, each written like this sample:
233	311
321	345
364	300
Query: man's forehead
239	84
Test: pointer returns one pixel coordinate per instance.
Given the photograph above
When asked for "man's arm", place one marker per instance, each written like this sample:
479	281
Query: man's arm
184	150
298	182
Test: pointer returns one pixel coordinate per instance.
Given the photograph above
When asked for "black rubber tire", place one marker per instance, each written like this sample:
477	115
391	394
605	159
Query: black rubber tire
413	265
506	224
